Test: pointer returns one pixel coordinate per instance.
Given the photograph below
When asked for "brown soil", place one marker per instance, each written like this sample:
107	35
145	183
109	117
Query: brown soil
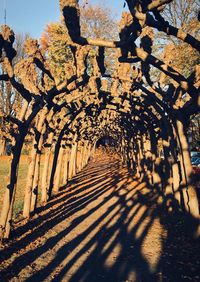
104	226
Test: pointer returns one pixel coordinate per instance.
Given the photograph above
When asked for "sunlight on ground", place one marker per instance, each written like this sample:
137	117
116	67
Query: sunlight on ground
102	227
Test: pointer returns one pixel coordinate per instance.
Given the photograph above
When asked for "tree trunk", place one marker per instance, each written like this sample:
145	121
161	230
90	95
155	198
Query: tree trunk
72	162
78	158
168	167
37	144
189	191
140	160
56	185
65	167
36	179
87	154
8	201
2	147
30	178
47	157
84	154
148	165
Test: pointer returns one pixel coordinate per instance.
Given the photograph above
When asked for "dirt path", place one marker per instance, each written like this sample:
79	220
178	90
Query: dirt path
104	226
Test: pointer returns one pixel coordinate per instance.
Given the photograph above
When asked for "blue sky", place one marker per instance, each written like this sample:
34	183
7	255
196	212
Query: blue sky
31	16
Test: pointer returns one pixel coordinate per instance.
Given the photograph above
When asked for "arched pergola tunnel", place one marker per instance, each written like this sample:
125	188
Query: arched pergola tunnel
147	120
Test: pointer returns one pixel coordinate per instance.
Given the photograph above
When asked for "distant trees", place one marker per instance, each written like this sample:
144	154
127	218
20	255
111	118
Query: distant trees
180	12
183	14
54	44
97	21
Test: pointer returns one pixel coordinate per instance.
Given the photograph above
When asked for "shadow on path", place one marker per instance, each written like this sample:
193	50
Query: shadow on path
104	226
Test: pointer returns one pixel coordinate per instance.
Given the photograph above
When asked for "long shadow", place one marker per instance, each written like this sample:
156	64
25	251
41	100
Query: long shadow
112	216
73	189
180	259
70	206
67	205
94	268
99	236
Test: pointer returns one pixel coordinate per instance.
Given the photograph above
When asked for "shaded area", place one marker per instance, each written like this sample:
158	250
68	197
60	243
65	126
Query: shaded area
104	226
105	141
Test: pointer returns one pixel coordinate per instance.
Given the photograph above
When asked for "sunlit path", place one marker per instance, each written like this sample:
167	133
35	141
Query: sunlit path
104	226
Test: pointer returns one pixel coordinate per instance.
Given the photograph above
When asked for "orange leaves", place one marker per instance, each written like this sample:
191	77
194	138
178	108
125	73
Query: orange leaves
97	22
44	41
